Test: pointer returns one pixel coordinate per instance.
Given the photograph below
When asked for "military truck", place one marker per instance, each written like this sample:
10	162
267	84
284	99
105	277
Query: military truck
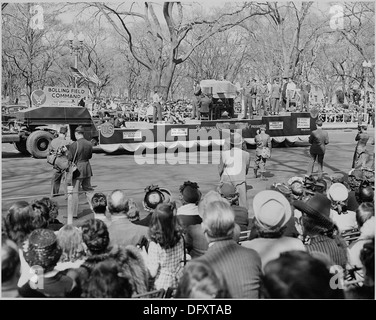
34	128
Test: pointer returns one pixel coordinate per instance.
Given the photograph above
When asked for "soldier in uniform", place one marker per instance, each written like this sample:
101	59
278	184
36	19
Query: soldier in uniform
58	146
84	154
263	152
250	98
360	154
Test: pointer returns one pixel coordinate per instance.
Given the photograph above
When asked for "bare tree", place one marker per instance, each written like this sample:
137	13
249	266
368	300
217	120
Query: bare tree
167	46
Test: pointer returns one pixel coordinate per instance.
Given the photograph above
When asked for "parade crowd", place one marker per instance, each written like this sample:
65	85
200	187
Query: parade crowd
305	238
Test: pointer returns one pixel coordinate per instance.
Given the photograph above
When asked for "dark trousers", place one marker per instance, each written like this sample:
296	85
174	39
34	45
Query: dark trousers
56	181
320	161
250	105
157	112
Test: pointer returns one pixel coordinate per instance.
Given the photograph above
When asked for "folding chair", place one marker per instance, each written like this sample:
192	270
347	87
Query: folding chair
154	294
244	235
350	235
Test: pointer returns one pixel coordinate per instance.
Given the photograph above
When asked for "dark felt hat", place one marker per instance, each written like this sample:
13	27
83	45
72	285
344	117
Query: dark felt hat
42	249
190	193
317	208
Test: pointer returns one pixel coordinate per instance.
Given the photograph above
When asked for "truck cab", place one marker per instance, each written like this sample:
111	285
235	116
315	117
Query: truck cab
36	127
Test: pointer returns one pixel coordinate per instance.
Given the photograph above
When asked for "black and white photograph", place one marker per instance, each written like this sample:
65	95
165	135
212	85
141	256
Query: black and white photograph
179	151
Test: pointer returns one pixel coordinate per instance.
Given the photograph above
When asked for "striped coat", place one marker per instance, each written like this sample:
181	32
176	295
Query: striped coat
337	252
241	267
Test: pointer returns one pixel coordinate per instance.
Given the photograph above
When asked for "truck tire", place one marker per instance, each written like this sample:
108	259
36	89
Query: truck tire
38	142
21	147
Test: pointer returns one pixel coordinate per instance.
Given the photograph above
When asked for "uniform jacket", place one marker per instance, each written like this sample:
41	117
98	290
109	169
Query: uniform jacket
275	91
57	143
262	140
84	154
241	267
318	139
362	138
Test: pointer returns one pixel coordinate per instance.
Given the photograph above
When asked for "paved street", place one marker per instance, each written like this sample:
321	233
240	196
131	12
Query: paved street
24	178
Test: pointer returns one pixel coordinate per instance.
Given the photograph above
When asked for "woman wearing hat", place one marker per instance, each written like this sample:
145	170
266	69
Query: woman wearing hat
319	232
42	253
190	196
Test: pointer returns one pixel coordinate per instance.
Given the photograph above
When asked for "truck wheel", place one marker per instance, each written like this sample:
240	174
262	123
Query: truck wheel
21	147
38	142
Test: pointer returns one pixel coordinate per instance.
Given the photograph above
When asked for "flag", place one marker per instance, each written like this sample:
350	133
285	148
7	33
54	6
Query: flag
77	73
93	77
89	76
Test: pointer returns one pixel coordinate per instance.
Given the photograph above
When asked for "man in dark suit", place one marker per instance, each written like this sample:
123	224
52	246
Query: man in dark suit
318	140
241	267
360	154
121	230
80	152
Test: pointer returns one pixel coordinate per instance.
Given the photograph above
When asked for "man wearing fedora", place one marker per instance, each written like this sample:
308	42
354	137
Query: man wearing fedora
272	213
58	146
318	140
234	165
80	152
263	152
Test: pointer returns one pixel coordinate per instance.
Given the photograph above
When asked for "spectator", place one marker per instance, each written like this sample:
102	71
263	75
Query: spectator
10	268
96	238
132	266
106	281
365	217
241	267
154	195
17	226
53	213
122	231
319	232
42	253
199	281
166	248
229	192
190	196
365	194
272	213
99	206
70	241
196	241
339	213
20	221
298	275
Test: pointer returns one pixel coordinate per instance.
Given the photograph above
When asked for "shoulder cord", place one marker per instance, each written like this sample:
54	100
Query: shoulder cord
74	158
